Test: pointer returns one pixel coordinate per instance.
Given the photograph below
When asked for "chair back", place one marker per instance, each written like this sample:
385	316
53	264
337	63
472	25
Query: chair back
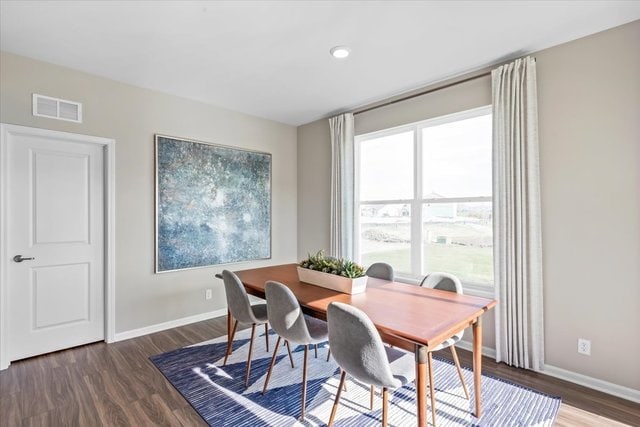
237	299
357	347
443	282
285	314
380	270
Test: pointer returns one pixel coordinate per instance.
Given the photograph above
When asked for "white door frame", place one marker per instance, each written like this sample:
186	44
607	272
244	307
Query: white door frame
109	222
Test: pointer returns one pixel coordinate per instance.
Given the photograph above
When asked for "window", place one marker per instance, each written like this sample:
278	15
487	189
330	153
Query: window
423	197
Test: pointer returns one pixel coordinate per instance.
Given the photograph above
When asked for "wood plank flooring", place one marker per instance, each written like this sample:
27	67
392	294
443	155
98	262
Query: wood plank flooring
117	385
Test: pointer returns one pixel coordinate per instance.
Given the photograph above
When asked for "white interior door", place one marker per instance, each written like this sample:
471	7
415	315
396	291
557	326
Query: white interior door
55	241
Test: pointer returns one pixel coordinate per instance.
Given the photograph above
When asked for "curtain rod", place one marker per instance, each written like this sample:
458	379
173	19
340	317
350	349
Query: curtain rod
424	92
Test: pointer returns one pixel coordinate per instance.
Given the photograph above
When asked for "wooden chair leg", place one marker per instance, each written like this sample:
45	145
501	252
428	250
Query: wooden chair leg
304	382
230	343
385	409
289	351
455	359
371	398
432	389
266	335
337	401
315	348
328	354
273	361
344	386
253	333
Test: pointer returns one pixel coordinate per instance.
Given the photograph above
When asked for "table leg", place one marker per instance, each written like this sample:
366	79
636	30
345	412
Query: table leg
477	365
421	384
432	390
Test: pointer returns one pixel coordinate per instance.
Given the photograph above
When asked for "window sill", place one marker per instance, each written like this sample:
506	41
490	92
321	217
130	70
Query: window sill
474	289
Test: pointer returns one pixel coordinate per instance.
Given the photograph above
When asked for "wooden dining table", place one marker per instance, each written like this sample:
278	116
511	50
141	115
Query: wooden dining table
407	316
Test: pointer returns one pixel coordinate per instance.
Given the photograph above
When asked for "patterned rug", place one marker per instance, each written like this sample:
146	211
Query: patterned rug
218	393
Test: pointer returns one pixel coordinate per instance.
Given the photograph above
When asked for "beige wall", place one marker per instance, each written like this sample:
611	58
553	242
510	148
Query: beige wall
314	191
589	125
132	116
589	130
465	96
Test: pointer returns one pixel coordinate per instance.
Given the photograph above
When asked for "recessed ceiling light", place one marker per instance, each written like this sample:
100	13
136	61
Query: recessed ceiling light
340	52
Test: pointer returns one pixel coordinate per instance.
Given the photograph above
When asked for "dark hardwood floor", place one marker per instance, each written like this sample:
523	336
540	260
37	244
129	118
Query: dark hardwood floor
581	406
116	384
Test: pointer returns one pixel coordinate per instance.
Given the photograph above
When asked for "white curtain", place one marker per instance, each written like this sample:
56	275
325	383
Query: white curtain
516	216
342	197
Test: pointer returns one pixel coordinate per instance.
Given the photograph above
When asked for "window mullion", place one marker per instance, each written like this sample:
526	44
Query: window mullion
458	199
387	202
416	209
357	202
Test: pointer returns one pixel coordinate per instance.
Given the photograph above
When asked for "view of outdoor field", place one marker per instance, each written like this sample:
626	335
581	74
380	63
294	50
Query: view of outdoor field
462	245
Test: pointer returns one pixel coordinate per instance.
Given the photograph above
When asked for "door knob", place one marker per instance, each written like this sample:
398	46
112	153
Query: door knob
20	258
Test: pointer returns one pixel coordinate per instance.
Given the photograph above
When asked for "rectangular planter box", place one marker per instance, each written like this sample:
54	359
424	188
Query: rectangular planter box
332	281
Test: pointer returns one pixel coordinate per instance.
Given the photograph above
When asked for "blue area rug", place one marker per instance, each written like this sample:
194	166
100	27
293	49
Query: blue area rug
218	393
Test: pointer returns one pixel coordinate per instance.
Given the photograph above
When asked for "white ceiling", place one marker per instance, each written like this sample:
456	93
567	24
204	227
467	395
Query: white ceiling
271	59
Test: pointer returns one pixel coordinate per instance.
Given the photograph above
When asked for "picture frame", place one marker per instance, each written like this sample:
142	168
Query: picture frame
213	204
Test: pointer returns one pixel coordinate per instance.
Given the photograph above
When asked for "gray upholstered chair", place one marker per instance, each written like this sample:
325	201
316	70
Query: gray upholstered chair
359	351
380	270
243	312
445	282
287	319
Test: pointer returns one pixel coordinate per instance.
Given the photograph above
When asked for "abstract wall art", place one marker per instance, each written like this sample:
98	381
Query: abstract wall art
213	204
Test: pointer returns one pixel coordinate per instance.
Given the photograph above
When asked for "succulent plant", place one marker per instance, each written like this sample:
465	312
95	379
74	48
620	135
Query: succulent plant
331	265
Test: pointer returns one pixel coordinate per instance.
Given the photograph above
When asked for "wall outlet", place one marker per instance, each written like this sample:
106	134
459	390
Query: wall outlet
208	294
584	346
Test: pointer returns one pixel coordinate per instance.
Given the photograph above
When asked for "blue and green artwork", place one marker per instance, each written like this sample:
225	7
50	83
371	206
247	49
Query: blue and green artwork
213	204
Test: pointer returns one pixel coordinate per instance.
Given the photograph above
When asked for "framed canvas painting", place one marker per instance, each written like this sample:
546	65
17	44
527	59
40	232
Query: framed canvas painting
213	204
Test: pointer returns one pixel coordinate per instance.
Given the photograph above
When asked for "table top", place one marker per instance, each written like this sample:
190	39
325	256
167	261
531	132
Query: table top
418	315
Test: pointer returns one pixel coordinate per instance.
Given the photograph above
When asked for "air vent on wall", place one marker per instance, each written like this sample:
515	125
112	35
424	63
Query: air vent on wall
54	108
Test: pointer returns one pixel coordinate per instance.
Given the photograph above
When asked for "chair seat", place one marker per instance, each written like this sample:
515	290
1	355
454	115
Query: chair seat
449	342
317	329
260	312
402	365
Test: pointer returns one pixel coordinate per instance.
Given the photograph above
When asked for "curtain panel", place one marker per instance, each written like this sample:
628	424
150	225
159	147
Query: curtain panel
516	216
342	185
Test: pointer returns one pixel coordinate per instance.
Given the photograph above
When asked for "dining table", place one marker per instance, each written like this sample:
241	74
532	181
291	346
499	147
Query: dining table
407	316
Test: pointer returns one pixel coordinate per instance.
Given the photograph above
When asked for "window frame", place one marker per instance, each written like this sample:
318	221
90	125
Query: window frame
417	202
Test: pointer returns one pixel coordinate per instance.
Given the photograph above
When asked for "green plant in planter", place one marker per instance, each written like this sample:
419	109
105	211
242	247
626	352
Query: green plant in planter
340	267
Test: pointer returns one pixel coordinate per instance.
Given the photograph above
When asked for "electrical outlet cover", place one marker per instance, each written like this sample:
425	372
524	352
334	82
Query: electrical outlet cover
584	346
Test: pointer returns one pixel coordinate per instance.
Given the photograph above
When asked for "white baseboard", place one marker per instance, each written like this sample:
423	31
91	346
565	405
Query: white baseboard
121	336
573	377
594	383
486	351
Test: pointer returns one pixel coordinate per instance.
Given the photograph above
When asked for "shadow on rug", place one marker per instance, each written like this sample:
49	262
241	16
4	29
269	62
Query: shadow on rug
218	393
